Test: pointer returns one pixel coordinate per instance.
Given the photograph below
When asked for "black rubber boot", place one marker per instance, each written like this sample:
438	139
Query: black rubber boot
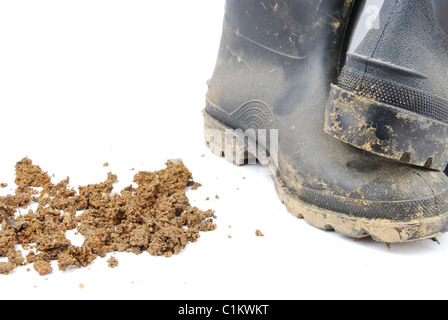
392	96
276	63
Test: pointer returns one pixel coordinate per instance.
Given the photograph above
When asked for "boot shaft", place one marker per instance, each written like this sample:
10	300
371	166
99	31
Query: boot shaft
441	13
289	50
288	27
411	41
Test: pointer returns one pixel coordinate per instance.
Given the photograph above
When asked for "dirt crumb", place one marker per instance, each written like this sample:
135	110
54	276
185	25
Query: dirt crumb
258	233
6	267
16	258
3	185
112	262
153	215
196	186
106	164
43	267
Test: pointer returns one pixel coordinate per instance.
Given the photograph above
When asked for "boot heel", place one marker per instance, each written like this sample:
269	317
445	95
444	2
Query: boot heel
385	130
226	142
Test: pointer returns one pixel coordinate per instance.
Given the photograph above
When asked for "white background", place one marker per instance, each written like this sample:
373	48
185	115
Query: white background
91	81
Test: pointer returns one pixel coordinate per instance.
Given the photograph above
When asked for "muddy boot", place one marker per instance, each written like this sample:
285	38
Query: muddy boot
392	96
267	99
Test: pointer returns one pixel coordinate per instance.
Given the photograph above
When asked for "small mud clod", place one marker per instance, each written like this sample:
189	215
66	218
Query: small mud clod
429	163
406	158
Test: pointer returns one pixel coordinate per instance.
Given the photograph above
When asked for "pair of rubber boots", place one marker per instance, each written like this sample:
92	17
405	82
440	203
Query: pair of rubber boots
357	142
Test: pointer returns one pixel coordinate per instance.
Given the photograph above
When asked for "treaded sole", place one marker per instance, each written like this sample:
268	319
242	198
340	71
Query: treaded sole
386	131
379	230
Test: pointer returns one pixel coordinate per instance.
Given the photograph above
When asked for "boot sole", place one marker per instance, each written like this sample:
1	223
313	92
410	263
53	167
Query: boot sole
380	230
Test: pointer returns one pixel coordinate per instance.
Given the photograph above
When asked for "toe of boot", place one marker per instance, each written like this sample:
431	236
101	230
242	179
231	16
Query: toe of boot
368	196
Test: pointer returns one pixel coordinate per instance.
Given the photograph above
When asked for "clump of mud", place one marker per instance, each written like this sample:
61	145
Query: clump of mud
154	216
